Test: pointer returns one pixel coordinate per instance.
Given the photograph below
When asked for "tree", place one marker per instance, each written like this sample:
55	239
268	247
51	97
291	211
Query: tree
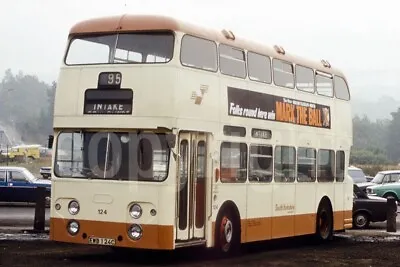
393	139
26	107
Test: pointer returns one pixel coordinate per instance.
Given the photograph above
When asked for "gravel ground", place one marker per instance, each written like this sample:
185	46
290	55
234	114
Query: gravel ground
353	249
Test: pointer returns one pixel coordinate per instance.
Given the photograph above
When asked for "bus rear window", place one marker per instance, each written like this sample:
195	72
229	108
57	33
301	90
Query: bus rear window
341	89
123	48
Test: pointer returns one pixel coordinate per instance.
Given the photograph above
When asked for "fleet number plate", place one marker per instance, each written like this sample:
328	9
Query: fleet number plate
101	241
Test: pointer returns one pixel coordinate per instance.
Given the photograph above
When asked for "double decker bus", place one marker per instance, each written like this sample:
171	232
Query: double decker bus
168	135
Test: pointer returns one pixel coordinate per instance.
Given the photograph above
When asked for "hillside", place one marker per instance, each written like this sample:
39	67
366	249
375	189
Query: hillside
378	109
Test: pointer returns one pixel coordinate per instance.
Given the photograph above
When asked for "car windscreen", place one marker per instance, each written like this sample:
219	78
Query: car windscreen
378	178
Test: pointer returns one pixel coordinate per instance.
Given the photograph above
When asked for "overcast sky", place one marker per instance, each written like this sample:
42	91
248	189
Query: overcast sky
360	37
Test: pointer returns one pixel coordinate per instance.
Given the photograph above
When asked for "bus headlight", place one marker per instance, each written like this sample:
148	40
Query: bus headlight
73	227
135	232
73	207
135	211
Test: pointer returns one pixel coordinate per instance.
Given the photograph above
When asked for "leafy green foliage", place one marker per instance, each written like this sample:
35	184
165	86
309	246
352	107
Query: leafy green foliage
376	142
368	156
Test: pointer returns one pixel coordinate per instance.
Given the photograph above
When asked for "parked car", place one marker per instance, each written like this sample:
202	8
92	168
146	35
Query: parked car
367	209
359	178
369	178
385	177
45	172
18	184
385	190
385	184
357	175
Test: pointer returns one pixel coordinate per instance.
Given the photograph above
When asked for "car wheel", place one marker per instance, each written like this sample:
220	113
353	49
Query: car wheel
361	220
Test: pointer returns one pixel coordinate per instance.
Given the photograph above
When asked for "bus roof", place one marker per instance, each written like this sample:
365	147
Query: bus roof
127	23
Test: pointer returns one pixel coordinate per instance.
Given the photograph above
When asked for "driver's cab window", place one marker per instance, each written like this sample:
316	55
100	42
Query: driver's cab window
17	176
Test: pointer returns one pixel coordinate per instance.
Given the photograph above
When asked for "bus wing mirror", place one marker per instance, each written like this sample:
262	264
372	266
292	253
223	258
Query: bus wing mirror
175	154
171	140
50	141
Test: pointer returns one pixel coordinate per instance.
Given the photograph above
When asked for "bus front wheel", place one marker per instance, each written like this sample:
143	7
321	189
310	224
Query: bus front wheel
227	232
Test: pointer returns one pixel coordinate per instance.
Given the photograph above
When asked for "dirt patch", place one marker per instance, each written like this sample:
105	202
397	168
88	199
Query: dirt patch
343	251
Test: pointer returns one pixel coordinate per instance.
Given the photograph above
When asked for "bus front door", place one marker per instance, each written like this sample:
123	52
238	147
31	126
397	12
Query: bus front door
191	186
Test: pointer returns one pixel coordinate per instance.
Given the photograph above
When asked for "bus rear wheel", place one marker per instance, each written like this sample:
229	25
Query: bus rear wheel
227	233
324	222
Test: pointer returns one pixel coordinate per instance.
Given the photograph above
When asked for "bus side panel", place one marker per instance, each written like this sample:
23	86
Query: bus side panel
283	210
325	189
338	215
325	170
305	220
259	211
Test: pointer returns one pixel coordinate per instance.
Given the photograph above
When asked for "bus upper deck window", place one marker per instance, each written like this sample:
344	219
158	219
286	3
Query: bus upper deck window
121	48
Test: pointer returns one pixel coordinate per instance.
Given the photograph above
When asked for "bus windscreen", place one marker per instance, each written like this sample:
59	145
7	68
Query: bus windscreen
112	156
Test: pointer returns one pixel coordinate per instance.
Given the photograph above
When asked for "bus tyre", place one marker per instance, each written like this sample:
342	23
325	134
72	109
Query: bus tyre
227	233
324	231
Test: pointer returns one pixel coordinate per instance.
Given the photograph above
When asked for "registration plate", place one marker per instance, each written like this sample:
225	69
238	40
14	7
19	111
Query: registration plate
101	241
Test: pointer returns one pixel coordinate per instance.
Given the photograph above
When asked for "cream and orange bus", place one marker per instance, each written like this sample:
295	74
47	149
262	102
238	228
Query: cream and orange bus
168	135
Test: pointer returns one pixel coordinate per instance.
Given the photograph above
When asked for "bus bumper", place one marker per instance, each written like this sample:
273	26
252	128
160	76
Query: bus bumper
348	223
112	234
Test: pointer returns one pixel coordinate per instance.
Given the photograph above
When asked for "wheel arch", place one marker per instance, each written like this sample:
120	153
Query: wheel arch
323	200
368	212
390	192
